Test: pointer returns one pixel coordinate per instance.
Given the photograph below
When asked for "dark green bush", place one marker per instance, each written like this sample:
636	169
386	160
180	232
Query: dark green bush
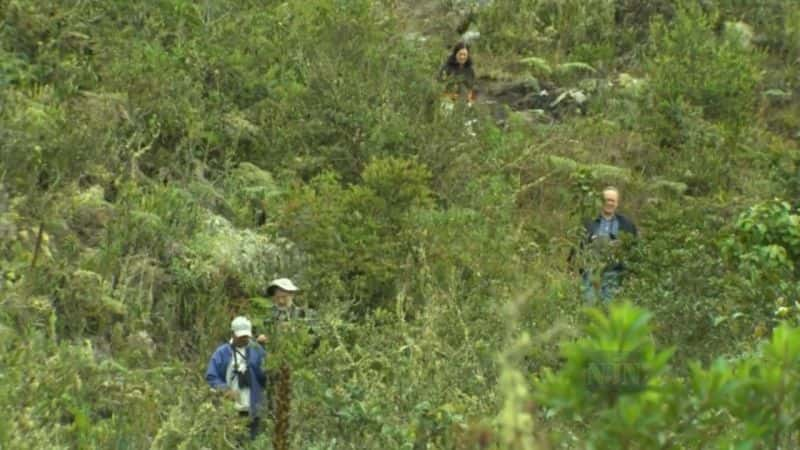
358	236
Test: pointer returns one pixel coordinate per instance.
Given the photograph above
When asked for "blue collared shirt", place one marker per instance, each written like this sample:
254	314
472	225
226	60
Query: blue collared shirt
608	227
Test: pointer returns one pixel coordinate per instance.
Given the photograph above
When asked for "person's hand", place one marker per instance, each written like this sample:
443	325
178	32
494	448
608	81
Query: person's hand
232	394
261	339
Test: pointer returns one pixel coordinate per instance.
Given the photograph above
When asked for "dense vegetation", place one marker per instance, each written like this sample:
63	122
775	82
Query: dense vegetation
160	161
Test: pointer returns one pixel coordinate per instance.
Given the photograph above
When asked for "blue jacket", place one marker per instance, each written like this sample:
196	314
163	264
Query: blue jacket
218	366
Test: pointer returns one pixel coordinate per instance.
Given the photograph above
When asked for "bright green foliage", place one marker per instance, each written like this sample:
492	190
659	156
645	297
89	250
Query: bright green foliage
769	228
611	380
615	360
766	243
617	393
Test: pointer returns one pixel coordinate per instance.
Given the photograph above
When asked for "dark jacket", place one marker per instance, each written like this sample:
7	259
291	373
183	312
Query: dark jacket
458	79
591	229
625	226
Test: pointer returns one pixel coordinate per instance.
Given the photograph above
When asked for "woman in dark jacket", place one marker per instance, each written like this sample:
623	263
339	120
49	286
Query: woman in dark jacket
457	73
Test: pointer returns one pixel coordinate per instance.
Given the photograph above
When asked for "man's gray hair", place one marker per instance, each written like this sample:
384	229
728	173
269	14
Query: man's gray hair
611	188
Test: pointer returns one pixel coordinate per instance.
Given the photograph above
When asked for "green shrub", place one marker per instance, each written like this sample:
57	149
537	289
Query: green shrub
621	393
695	74
774	23
766	243
357	236
699	306
579	30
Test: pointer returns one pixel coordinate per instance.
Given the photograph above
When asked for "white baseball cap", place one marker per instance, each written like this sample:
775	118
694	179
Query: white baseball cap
241	327
283	284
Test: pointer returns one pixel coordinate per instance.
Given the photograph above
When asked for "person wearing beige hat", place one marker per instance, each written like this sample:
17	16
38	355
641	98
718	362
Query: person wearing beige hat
284	310
282	292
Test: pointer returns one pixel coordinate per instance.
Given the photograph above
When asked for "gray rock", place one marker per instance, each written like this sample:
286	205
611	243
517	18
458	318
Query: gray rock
471	36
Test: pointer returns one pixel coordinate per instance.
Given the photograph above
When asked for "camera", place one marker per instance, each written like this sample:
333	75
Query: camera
243	378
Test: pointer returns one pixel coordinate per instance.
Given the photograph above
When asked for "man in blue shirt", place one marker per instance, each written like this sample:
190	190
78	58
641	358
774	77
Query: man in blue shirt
235	369
602	235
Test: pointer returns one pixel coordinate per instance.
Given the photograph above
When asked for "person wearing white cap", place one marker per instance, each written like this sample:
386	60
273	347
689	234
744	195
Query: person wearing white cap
236	370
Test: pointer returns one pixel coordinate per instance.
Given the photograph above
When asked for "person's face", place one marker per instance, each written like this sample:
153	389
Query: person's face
283	298
610	202
241	341
462	55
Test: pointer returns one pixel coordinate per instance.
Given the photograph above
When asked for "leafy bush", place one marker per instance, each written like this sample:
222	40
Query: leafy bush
766	243
696	75
581	30
357	236
774	23
621	394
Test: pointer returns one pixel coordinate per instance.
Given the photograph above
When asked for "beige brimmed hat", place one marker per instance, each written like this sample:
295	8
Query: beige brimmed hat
283	284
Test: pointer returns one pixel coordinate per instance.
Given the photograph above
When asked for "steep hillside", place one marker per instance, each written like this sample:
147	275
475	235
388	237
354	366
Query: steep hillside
161	162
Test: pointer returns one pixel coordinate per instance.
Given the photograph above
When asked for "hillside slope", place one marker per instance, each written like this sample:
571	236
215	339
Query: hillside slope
161	162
